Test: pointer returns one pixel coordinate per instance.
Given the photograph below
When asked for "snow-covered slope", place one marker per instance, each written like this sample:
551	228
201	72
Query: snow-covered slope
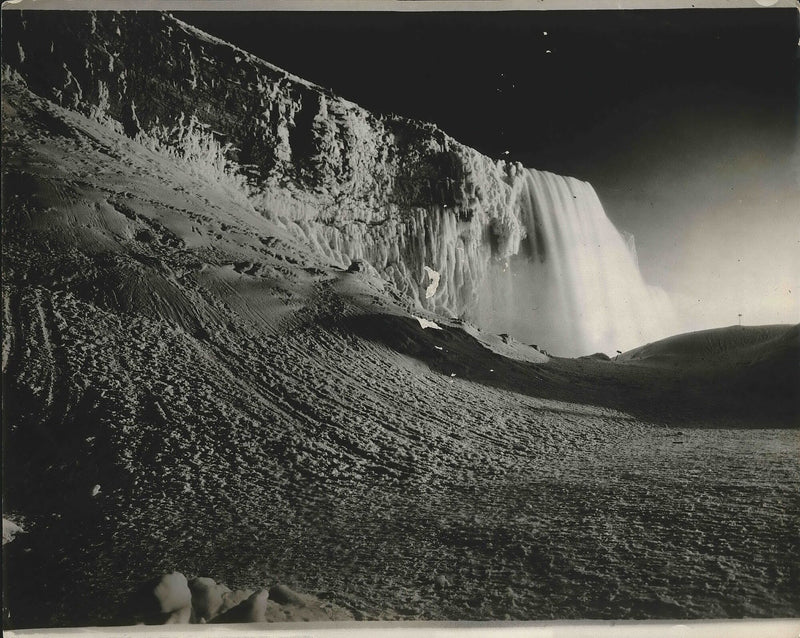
194	382
189	387
721	347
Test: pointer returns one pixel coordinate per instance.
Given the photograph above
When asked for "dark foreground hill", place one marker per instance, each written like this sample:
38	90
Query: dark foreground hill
752	372
191	385
719	348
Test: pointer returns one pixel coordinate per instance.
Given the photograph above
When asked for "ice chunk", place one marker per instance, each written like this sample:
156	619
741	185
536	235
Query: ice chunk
434	282
424	323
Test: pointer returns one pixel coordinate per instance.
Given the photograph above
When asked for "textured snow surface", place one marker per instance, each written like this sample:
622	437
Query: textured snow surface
257	411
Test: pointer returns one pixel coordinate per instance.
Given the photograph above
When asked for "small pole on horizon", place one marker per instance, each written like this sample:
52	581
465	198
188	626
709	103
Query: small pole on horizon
740	319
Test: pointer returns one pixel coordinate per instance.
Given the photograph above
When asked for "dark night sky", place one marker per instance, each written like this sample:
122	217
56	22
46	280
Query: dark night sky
685	122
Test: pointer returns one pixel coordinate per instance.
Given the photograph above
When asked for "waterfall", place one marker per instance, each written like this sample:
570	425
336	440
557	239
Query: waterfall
573	287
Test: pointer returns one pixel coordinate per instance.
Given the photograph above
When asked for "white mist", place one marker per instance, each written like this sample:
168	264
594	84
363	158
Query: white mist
573	287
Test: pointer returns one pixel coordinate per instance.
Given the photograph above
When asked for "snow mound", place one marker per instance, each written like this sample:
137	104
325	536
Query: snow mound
734	345
506	346
176	600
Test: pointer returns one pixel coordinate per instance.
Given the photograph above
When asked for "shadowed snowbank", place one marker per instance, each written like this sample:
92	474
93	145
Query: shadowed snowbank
720	347
738	376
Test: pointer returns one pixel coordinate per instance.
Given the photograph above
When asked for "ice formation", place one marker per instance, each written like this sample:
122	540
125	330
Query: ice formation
434	277
426	323
515	250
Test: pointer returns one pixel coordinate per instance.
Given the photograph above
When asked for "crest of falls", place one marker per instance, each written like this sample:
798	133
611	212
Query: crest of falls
573	286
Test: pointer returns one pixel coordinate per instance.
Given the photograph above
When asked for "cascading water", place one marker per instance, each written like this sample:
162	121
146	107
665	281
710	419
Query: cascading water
573	287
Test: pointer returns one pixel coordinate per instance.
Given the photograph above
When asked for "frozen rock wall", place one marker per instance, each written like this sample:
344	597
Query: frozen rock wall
395	192
517	250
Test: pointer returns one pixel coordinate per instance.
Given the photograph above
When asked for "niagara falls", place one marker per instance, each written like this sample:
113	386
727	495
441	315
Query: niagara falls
571	262
400	316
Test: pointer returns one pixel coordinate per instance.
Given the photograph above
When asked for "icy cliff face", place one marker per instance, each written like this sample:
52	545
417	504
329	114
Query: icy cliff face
397	193
434	217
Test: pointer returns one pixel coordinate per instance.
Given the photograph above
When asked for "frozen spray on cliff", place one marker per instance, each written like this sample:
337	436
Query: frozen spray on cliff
514	250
